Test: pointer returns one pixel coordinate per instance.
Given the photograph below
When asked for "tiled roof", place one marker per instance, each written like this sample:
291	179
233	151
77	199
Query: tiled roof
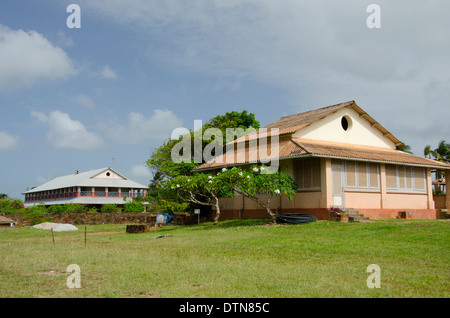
294	147
297	148
4	220
341	150
292	123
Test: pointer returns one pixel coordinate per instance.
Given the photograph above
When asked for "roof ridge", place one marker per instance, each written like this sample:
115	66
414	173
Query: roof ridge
343	104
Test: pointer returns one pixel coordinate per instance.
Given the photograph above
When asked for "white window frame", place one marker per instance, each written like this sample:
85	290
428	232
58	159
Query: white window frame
413	188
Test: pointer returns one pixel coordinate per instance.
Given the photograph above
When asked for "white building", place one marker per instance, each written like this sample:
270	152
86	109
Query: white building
95	187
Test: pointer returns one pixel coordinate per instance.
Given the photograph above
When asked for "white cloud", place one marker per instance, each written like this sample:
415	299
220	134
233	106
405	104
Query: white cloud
140	128
65	133
28	57
64	40
320	52
84	101
108	73
8	141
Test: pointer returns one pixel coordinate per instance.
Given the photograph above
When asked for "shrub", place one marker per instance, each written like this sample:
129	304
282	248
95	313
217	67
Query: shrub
34	211
133	206
41	220
171	207
75	208
109	208
11	207
335	211
93	210
56	209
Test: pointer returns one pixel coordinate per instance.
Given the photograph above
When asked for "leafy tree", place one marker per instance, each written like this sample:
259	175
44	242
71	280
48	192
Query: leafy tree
161	163
255	184
202	189
261	186
405	148
441	153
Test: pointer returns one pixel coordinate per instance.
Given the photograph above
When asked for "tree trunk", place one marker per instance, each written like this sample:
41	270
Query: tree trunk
272	215
216	217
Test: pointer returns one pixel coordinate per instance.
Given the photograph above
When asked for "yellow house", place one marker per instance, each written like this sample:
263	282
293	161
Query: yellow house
338	156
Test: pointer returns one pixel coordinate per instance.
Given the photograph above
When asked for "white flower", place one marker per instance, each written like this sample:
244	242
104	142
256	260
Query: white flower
172	187
189	180
248	177
209	177
262	168
224	169
277	191
240	173
178	185
210	181
255	169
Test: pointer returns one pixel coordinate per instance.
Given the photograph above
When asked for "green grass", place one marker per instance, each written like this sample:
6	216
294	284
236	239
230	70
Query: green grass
237	258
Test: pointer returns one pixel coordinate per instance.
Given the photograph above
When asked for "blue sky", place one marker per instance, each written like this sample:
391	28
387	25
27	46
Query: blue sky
73	99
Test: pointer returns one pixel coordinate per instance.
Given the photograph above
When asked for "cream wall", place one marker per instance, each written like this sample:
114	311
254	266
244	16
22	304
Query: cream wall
406	201
112	175
359	199
360	133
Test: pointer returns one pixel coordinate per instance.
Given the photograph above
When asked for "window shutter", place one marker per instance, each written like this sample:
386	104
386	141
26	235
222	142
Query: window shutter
419	178
401	177
351	174
299	167
373	175
391	176
362	174
308	176
408	175
316	173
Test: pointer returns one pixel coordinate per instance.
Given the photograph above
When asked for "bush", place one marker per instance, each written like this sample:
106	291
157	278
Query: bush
34	211
11	207
41	220
109	208
56	209
133	206
75	208
93	210
171	207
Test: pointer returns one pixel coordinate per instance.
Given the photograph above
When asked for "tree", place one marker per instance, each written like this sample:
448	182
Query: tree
404	148
260	185
201	188
161	162
255	183
441	153
427	152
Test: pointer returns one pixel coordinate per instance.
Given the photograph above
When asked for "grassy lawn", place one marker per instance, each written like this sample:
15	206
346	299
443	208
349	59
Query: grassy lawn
237	258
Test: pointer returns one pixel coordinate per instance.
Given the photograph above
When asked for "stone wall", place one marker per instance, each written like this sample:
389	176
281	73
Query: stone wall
107	218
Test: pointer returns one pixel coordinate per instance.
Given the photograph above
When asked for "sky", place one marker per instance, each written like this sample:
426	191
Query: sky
109	92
